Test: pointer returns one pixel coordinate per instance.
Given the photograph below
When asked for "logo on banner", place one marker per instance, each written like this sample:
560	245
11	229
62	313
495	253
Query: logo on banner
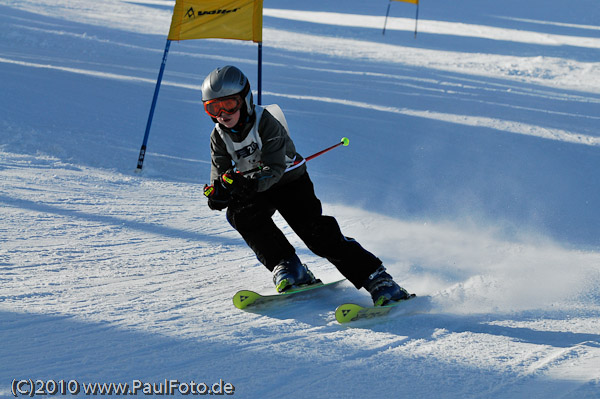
192	14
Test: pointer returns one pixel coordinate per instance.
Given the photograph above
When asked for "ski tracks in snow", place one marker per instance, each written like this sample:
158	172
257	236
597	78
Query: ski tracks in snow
102	251
110	276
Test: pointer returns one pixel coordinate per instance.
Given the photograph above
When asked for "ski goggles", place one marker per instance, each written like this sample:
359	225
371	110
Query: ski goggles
230	105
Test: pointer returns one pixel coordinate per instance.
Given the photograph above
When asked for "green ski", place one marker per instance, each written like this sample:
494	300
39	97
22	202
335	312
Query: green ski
351	312
245	298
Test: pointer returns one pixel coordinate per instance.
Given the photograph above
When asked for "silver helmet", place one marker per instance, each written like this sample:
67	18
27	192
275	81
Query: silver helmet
227	81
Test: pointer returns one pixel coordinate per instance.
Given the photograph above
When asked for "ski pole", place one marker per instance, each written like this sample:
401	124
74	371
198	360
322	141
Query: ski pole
209	190
344	141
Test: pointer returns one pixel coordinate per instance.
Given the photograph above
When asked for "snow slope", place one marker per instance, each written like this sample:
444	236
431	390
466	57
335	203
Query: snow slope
472	172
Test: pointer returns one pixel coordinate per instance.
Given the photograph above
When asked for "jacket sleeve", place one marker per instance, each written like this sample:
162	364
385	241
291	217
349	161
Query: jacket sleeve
220	159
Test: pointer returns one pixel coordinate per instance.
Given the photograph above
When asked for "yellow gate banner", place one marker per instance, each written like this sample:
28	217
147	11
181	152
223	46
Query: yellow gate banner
409	1
217	19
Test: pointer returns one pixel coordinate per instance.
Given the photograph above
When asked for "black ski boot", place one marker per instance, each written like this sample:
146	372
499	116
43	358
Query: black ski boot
291	273
383	288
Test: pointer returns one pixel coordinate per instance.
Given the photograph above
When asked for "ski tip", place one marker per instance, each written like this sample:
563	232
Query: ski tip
352	312
242	299
347	312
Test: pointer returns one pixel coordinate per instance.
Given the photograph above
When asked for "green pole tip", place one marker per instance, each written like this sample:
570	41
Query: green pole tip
345	141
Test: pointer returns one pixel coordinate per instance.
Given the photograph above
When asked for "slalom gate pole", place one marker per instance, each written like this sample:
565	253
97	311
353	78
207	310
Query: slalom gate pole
416	19
344	141
140	162
259	95
386	17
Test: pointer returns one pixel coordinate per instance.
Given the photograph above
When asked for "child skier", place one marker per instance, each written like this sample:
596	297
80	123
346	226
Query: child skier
256	171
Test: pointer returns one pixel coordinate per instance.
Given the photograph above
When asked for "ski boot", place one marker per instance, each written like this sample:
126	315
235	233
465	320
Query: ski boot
383	288
291	273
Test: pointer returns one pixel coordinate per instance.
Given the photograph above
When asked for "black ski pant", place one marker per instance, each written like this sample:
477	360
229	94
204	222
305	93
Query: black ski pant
301	209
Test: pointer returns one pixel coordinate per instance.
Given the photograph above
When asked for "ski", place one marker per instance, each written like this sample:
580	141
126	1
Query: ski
351	312
245	298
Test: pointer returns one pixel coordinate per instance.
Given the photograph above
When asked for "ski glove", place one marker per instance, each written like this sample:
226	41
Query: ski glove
218	196
239	186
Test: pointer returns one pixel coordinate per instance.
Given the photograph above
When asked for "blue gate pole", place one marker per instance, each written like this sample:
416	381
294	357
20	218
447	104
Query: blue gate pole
151	115
386	17
259	86
416	19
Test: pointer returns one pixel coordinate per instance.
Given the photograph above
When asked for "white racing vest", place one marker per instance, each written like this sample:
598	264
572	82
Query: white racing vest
247	153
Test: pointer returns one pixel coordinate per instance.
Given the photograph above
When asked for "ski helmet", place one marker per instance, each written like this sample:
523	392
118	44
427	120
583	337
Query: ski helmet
227	81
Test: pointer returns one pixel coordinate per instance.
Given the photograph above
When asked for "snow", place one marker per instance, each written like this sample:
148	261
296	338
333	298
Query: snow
472	172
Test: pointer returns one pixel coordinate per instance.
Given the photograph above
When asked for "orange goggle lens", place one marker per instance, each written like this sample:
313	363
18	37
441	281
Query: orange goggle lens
229	105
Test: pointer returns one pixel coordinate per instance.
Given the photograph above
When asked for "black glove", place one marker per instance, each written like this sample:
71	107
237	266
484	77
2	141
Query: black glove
239	186
218	196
